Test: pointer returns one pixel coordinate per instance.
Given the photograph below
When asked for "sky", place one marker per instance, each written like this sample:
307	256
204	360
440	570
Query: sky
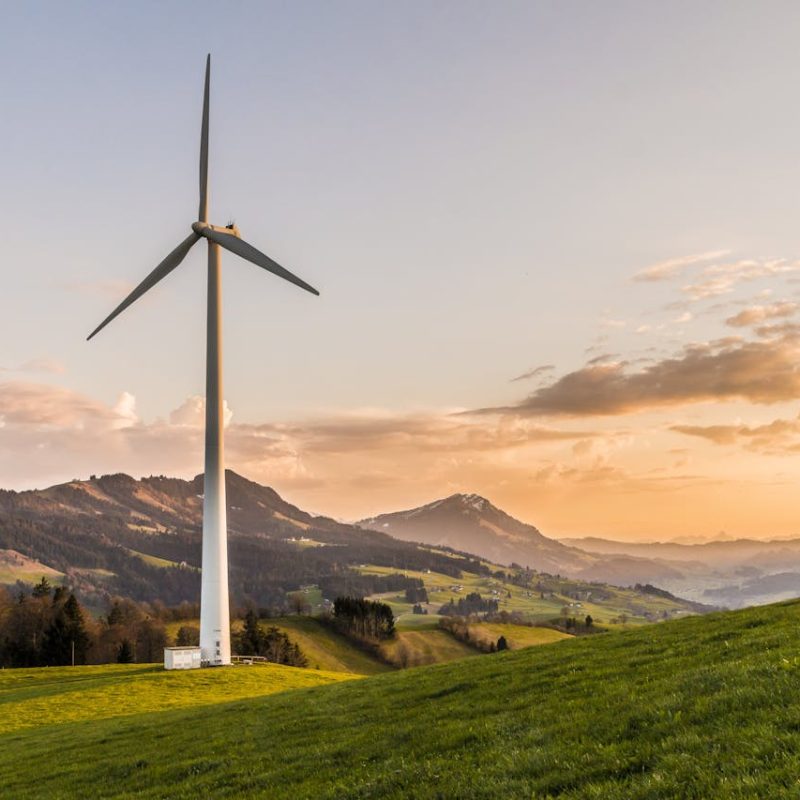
556	245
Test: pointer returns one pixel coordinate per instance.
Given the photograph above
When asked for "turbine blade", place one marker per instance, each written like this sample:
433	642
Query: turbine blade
161	271
249	253
202	213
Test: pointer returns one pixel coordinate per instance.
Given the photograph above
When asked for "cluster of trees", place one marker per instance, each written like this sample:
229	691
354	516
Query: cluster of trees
272	644
576	626
416	594
364	620
47	626
473	603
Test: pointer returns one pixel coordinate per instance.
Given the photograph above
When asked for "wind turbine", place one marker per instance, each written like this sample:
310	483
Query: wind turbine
215	640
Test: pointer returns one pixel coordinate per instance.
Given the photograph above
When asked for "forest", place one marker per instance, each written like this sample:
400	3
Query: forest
47	626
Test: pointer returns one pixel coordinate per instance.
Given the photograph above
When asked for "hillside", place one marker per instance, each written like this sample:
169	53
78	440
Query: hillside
538	598
704	707
470	523
71	694
113	535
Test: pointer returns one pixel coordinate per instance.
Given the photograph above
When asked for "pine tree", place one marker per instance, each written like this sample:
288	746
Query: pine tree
76	629
42	589
251	641
125	653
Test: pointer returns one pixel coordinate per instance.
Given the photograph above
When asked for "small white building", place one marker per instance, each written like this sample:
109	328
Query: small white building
182	658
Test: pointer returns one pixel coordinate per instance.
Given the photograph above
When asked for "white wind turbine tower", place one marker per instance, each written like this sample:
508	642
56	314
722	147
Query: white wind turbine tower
215	640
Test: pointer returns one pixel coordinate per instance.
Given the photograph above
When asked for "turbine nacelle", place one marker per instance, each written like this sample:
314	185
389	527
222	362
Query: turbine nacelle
203	229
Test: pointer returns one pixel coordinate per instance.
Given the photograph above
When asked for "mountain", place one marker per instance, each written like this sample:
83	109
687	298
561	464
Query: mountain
470	523
733	572
142	539
722	554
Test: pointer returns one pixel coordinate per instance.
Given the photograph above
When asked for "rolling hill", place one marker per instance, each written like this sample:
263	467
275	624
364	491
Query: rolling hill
703	707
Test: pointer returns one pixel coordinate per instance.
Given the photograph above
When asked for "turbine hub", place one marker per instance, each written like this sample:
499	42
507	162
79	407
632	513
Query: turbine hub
202	228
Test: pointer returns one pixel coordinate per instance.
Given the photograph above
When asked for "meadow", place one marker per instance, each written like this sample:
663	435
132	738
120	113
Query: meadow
620	608
701	707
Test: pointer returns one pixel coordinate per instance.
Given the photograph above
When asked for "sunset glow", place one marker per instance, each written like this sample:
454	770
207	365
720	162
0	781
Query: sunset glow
569	282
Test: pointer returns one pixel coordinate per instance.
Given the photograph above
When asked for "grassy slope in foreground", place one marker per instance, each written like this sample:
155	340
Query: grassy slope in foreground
704	707
32	698
326	649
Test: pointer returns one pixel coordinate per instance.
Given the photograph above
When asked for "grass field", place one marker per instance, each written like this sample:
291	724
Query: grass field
413	648
414	645
64	695
154	561
16	567
517	636
633	605
703	708
326	649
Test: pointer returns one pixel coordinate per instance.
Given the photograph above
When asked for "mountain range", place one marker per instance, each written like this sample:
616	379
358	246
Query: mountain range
114	534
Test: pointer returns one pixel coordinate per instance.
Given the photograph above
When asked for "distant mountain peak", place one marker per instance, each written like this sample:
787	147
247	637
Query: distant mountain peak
459	502
474	501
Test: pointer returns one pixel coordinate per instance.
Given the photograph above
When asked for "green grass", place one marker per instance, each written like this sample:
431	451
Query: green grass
62	695
326	649
414	648
517	636
704	708
528	602
154	561
16	567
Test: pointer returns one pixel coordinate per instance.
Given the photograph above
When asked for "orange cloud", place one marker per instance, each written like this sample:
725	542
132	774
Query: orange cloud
777	437
675	266
721	370
757	314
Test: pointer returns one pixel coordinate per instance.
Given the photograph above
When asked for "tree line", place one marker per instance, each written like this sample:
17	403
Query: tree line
473	603
48	626
272	643
365	620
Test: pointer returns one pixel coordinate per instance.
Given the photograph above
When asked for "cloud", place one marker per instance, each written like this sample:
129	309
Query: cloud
50	434
777	437
534	373
48	365
439	433
757	314
725	369
41	406
192	412
719	279
665	270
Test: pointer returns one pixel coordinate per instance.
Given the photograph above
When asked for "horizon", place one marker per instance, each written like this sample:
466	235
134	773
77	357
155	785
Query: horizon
687	539
554	272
